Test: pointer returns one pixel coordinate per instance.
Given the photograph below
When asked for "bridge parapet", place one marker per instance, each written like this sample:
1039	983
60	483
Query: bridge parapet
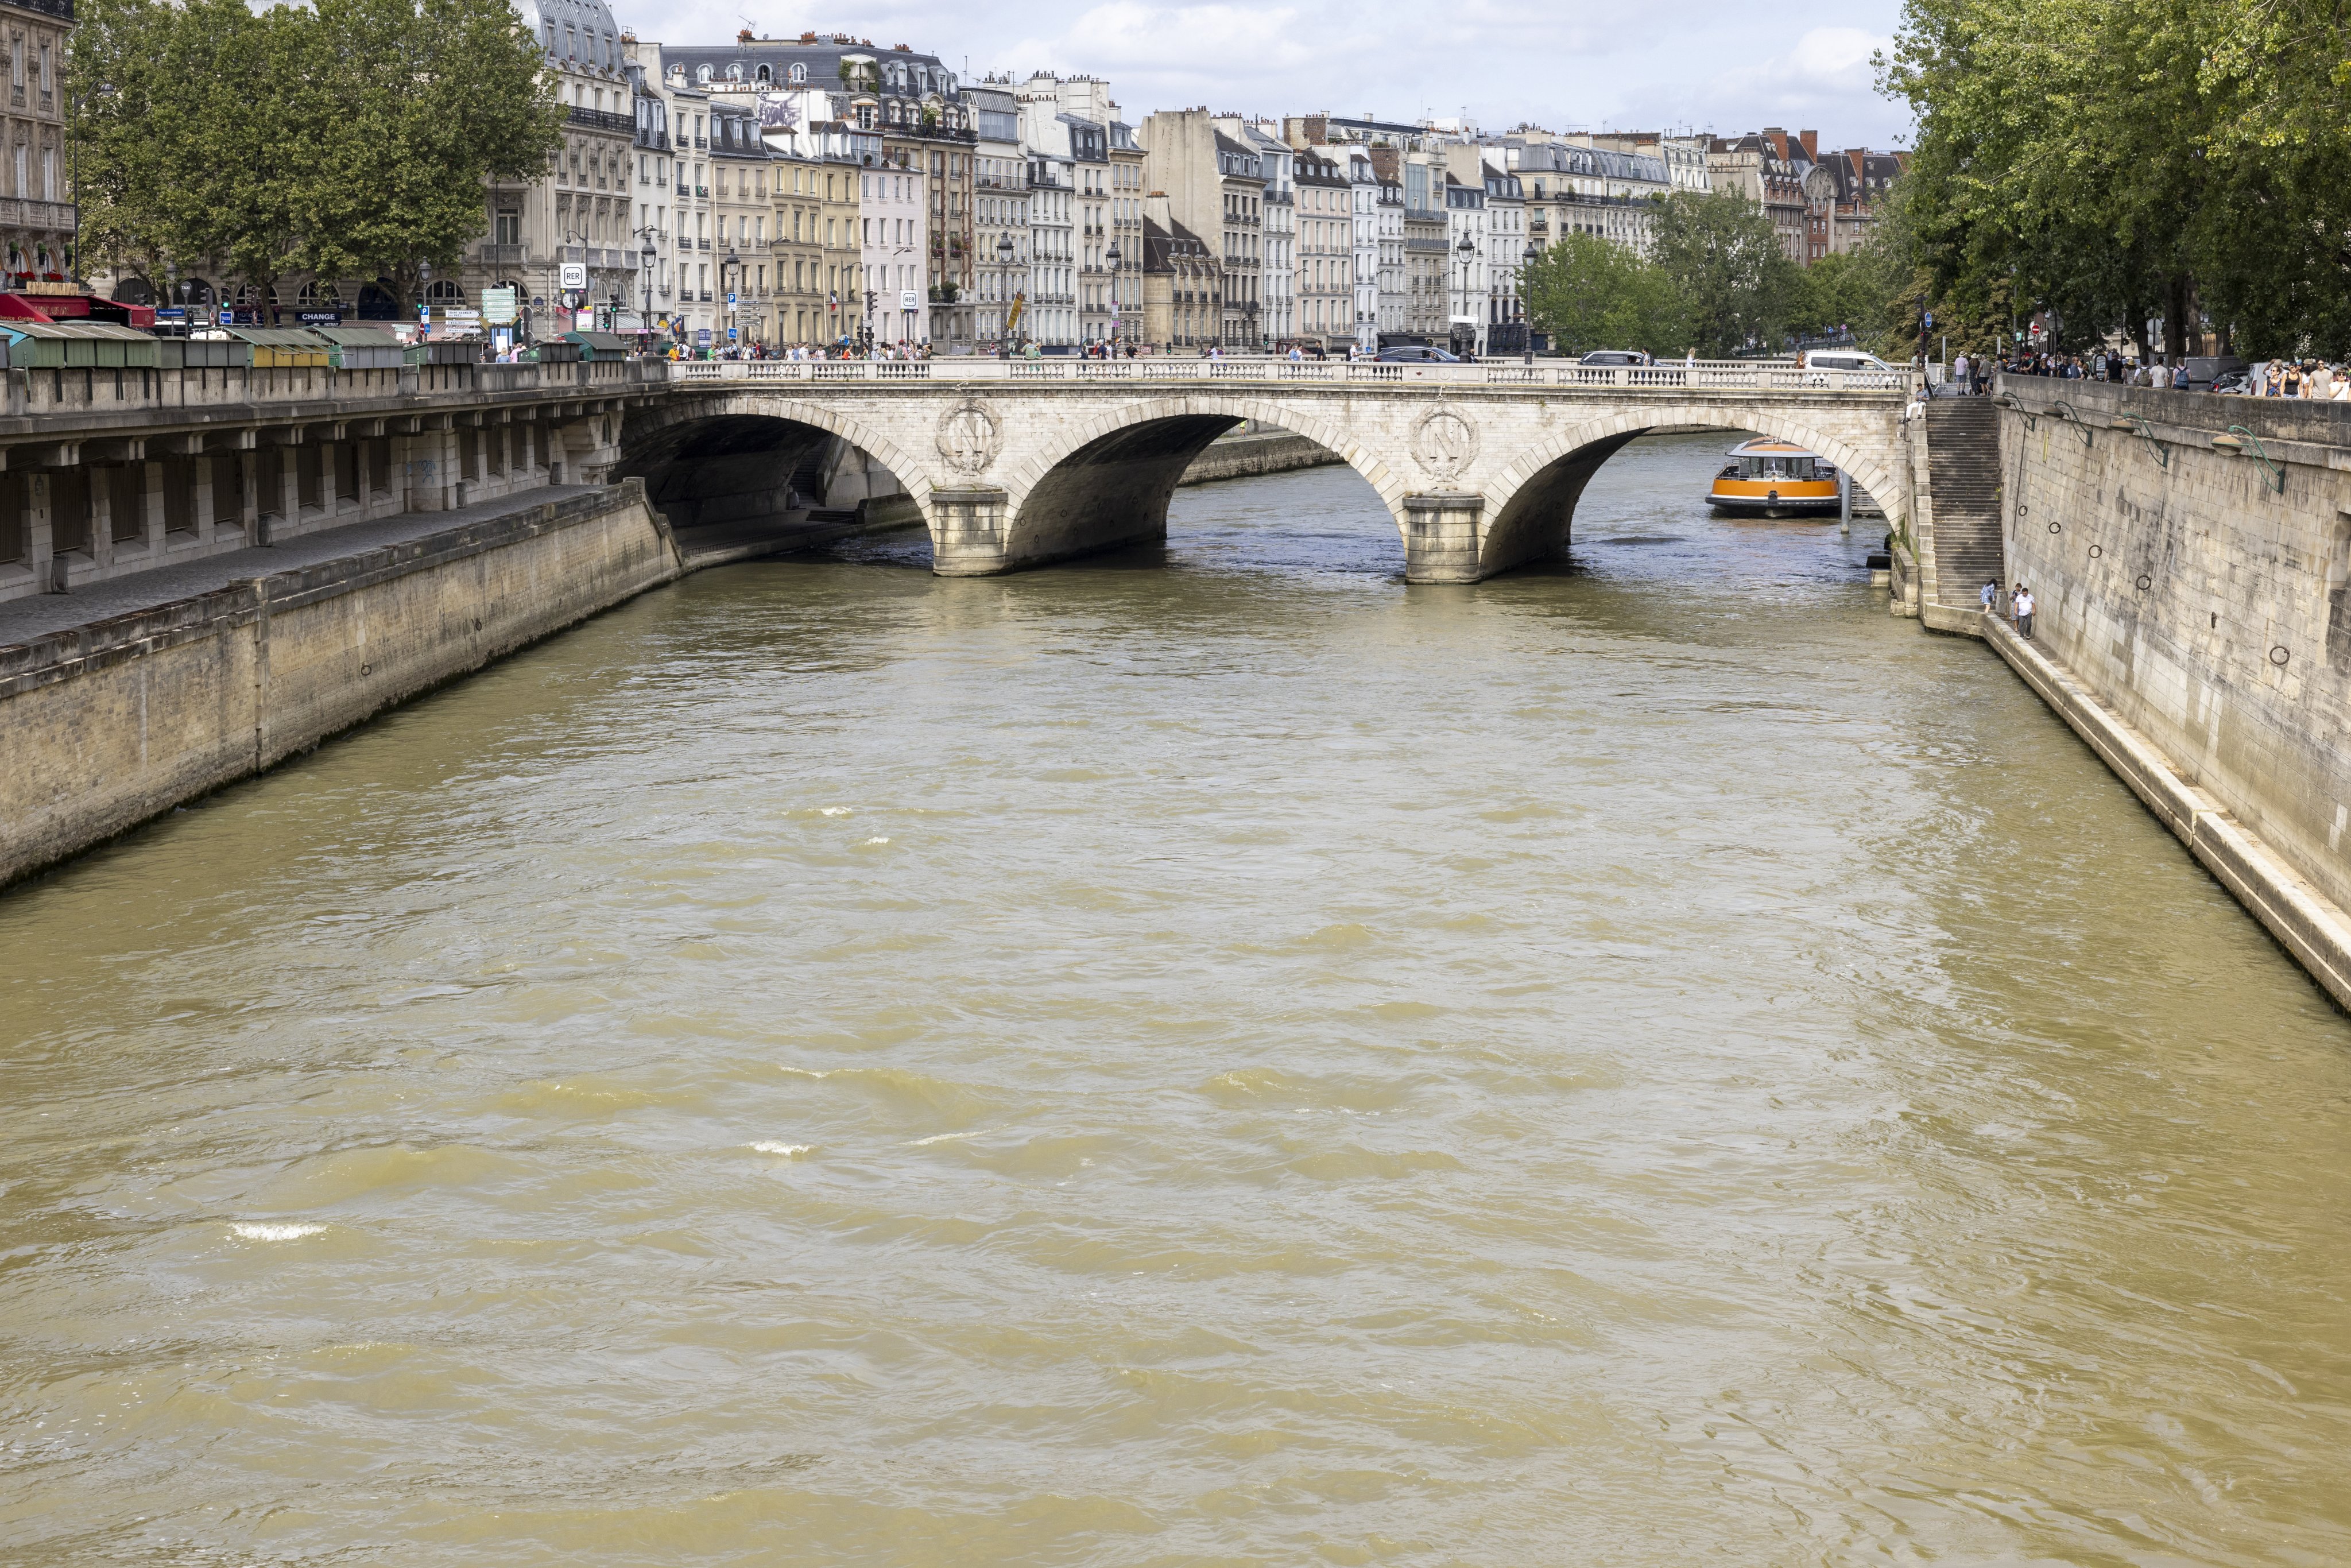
1697	375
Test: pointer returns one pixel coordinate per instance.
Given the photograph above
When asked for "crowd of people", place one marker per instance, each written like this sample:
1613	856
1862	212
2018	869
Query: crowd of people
2307	378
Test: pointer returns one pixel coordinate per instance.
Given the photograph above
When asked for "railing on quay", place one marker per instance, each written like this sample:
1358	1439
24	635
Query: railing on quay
1703	375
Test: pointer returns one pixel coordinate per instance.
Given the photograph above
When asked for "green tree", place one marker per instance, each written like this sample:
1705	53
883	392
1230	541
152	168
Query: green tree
1589	293
352	138
2172	158
1718	253
186	149
413	106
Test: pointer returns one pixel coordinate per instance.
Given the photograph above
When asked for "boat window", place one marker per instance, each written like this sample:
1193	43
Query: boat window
1776	467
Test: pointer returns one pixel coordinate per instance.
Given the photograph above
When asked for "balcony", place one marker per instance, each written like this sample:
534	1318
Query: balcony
706	296
25	211
701	193
505	255
702	245
699	141
594	119
685	189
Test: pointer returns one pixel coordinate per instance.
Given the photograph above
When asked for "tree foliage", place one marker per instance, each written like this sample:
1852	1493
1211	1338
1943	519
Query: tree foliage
1720	254
1715	281
353	137
2117	161
1589	293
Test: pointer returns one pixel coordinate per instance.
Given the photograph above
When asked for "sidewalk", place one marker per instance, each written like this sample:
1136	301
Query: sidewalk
37	615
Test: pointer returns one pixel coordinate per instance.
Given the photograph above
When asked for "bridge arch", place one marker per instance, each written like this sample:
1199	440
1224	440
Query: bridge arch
1106	479
1531	504
731	454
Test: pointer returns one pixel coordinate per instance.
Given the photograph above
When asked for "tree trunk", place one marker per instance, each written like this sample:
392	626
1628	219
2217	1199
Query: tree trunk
2176	305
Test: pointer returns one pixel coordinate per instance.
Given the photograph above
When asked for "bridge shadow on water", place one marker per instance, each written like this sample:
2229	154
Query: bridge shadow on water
1641	524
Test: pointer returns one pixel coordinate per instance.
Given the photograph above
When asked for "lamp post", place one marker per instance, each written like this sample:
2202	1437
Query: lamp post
1003	323
424	293
733	265
645	259
1526	267
1111	255
1465	250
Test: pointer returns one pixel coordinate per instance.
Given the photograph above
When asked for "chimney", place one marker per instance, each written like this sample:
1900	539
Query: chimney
1812	141
1155	211
1388	164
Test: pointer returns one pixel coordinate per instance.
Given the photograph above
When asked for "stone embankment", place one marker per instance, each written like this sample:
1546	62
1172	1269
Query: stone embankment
1253	450
266	652
2189	557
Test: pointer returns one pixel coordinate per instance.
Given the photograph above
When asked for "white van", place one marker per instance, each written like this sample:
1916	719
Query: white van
1845	360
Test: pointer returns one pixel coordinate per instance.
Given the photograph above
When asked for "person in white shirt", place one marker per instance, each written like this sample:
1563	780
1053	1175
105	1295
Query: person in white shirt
2021	602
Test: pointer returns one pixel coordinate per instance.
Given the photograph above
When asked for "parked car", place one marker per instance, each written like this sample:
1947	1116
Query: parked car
2204	373
1417	354
1616	356
2236	382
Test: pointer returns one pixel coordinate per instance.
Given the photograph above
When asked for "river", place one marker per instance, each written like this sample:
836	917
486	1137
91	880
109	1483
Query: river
1203	1057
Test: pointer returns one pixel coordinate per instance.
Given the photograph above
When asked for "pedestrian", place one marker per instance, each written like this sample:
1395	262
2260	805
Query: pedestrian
2021	601
1990	594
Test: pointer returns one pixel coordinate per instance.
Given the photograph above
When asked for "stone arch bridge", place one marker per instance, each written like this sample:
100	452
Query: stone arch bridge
1016	464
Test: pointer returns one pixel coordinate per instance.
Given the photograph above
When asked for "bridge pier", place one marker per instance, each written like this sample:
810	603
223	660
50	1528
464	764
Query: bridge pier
967	529
1440	536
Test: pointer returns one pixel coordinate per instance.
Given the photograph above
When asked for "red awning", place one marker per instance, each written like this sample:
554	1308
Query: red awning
16	307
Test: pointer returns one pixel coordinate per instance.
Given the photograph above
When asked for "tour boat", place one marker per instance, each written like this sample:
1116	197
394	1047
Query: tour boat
1771	478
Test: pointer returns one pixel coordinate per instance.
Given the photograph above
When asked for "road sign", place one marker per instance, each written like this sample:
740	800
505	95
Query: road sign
315	318
730	302
702	336
228	318
500	306
573	275
909	299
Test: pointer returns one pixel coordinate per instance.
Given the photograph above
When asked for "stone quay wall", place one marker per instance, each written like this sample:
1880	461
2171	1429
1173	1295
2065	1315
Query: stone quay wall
1249	451
2196	595
115	721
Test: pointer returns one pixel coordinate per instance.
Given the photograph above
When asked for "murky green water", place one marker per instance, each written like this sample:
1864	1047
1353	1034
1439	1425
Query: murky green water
1221	1059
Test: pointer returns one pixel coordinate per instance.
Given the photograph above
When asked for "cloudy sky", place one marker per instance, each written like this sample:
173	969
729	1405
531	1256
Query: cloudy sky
1567	63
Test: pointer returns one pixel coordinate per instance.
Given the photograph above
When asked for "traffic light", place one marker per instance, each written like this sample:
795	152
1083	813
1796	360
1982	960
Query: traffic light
871	300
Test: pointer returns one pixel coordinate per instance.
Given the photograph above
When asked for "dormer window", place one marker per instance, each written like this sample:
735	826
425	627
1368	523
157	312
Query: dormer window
766	75
797	74
702	74
734	73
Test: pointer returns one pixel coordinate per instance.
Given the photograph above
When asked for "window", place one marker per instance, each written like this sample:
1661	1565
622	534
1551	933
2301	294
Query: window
509	227
570	42
16	61
46	82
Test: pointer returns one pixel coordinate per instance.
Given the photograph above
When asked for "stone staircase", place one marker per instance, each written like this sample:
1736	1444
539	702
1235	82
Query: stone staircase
1963	473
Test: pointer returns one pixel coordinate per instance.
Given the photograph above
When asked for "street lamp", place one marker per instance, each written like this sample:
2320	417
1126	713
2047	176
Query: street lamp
424	291
1525	333
645	258
1112	256
1003	322
1465	250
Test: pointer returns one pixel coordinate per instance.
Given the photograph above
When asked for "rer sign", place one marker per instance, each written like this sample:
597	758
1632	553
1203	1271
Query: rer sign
574	274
